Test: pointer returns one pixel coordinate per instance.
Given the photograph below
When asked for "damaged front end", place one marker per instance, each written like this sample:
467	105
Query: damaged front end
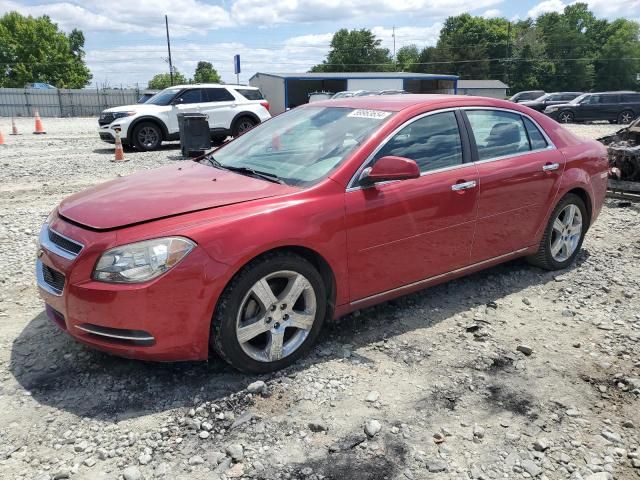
624	152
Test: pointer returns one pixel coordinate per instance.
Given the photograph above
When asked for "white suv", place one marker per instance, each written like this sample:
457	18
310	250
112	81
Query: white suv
231	110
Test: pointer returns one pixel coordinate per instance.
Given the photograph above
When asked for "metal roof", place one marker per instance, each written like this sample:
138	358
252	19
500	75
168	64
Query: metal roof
346	75
481	84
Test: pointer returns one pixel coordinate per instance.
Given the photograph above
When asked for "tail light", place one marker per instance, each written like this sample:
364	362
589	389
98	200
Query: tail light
265	104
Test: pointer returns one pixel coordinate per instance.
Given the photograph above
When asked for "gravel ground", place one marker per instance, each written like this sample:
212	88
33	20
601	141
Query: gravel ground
511	373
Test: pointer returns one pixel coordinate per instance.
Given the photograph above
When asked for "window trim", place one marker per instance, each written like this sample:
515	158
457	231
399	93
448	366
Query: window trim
466	148
550	144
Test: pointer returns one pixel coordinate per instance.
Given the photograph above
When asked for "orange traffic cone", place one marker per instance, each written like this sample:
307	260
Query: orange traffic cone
14	128
39	127
119	157
1	138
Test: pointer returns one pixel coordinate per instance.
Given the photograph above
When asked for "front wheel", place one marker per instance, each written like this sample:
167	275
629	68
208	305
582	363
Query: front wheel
566	117
564	234
270	314
147	136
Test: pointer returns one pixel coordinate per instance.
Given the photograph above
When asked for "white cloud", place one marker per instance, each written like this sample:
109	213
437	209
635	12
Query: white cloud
492	13
546	6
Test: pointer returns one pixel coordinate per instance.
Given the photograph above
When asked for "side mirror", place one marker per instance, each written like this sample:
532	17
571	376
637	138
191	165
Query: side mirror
390	168
178	101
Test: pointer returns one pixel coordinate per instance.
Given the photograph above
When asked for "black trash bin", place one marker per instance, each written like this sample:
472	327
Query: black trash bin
195	137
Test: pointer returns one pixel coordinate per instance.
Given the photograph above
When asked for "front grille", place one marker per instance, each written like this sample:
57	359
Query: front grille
106	119
106	137
53	278
64	243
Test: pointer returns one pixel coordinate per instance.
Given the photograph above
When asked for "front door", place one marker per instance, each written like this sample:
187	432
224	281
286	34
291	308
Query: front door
405	231
187	101
519	173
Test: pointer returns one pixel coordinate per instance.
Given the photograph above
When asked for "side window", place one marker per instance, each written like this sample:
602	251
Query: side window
217	95
191	96
250	94
433	142
631	98
498	133
535	137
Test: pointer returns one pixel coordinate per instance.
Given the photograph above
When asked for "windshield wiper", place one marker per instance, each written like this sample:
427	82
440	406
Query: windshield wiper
244	170
256	173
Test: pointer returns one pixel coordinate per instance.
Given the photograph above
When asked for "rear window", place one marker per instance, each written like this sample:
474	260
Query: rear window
631	97
217	95
250	93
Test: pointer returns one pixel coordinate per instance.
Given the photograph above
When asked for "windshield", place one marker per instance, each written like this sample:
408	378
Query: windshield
164	97
580	98
303	145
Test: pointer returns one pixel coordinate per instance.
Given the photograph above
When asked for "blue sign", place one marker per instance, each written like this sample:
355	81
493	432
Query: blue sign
236	64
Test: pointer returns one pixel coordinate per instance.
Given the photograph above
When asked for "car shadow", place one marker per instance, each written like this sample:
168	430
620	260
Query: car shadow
59	372
127	149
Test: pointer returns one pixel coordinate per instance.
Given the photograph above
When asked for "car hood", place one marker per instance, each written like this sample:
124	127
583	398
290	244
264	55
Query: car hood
530	103
163	192
562	105
138	108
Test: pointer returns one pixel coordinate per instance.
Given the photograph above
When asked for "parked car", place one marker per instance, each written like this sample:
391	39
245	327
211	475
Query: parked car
353	93
40	86
318	96
326	209
549	99
527	95
146	95
616	107
392	92
232	110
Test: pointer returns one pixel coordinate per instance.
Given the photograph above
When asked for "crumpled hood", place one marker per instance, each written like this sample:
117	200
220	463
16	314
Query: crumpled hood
163	192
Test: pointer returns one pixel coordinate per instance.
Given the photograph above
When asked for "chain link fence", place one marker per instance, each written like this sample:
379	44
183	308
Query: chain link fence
23	102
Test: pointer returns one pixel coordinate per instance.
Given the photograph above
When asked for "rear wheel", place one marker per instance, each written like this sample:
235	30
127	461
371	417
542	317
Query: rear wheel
564	234
242	125
625	117
270	314
147	136
566	117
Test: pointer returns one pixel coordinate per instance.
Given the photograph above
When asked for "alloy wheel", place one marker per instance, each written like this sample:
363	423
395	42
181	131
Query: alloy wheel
276	316
566	233
626	117
244	126
148	137
566	117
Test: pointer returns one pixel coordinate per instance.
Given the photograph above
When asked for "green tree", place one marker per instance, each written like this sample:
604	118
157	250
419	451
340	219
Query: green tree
407	58
161	81
34	49
617	64
205	73
355	51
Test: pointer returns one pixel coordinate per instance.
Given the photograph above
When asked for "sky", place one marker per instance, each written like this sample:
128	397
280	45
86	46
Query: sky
126	42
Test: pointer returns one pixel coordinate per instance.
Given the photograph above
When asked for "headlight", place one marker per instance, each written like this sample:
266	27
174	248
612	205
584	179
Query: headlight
141	261
122	114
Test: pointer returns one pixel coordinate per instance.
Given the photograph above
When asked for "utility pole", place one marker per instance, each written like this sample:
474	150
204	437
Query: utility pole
395	60
508	54
166	23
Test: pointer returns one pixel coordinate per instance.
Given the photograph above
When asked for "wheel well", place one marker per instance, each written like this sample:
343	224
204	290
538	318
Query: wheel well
158	123
250	115
319	263
584	196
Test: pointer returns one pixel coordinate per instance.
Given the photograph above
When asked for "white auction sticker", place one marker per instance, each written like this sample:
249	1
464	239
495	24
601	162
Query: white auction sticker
361	113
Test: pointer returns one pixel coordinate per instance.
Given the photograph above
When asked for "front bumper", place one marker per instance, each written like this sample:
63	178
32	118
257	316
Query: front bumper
165	319
553	114
107	133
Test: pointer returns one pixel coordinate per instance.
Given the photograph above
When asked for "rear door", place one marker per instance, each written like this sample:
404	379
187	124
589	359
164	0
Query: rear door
220	106
609	107
519	172
406	231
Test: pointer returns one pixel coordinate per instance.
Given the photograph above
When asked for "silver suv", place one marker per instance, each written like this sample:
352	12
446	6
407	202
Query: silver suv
231	110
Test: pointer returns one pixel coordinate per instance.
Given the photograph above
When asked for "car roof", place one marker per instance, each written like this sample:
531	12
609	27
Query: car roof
224	85
396	103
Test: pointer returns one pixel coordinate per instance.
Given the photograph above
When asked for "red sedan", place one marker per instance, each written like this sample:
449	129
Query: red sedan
328	208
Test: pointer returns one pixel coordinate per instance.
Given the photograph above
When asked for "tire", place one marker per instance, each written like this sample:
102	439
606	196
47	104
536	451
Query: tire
147	136
242	125
547	257
245	329
566	117
625	117
217	140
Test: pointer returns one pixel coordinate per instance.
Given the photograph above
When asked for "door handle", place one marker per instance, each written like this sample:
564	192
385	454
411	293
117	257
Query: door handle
549	167
456	187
